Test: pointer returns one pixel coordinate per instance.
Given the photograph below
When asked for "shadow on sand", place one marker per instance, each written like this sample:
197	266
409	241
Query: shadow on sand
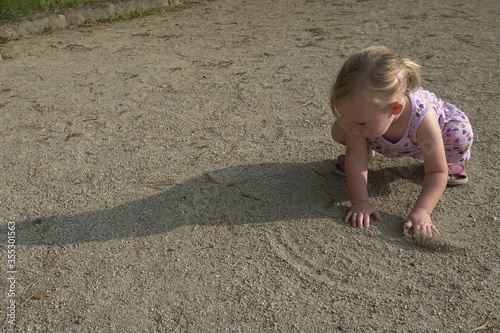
257	193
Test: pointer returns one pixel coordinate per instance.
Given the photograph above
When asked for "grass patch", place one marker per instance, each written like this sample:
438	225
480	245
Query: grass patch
316	31
178	8
73	135
342	37
12	9
48	30
142	12
111	19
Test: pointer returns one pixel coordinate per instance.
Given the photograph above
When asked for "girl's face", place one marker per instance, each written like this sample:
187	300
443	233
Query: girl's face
364	118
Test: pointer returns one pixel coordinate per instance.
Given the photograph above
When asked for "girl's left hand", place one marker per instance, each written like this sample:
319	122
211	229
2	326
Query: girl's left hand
421	223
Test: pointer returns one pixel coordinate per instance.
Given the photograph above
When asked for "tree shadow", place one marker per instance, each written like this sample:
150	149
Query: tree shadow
244	194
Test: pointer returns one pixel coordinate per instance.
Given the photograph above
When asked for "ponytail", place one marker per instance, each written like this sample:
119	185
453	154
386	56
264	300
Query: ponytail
411	74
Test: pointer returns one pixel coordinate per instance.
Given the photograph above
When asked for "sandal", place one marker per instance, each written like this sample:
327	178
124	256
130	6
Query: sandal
456	174
339	167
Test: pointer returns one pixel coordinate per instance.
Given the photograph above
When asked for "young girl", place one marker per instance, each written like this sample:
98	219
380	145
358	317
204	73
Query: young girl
379	105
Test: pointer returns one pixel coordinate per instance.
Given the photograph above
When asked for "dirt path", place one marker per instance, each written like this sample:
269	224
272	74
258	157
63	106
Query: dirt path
173	173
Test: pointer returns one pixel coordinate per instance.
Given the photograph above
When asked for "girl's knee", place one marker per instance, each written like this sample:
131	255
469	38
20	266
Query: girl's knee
338	133
458	153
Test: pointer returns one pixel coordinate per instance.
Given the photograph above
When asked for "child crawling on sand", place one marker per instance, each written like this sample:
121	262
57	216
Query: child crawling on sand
380	106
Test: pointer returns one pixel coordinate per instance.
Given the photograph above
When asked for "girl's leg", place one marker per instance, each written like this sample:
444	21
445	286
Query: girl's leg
457	137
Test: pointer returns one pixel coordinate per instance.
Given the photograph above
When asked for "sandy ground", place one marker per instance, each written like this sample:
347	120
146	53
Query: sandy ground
173	173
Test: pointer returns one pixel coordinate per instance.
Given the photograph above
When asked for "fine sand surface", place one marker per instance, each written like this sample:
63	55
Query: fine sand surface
173	173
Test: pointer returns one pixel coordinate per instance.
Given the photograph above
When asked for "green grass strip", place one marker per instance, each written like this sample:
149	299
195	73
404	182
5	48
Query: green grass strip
12	9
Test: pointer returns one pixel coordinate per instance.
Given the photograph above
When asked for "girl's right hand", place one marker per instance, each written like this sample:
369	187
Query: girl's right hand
359	214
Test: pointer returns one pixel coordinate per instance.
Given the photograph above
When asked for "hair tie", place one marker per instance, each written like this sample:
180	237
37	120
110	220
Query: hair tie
400	79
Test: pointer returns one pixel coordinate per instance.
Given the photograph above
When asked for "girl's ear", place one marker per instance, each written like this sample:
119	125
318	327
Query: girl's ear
397	108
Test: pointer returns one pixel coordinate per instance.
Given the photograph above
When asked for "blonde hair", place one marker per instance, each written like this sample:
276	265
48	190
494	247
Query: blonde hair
376	71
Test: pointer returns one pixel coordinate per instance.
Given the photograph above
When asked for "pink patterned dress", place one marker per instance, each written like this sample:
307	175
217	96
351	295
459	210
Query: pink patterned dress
454	124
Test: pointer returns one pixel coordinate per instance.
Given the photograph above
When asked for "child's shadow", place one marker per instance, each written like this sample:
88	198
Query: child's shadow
244	194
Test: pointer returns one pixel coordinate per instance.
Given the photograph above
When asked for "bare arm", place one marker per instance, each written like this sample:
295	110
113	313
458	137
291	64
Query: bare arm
357	177
357	168
436	175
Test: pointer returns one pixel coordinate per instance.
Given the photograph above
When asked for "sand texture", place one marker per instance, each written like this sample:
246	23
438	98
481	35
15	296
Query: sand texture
173	173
